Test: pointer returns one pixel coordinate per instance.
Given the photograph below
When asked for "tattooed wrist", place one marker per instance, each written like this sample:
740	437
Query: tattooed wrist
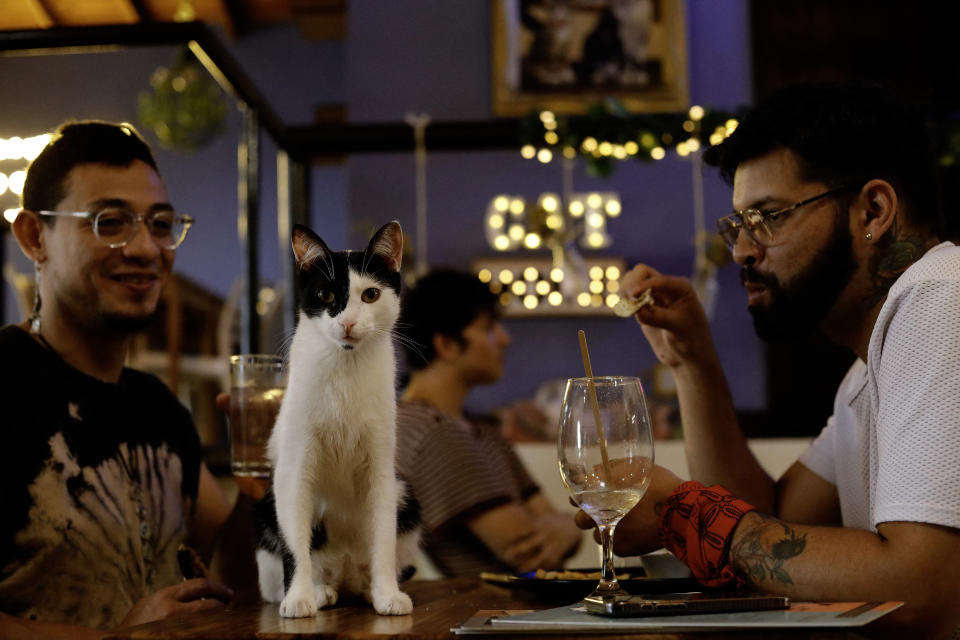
759	554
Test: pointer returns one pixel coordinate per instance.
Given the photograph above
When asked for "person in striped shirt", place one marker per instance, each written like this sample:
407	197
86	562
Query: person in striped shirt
480	509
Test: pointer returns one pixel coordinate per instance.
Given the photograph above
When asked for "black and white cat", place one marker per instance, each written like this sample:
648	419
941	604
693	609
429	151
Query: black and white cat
331	522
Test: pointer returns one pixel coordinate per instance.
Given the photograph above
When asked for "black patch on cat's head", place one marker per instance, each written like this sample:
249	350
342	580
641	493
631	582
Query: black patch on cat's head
323	275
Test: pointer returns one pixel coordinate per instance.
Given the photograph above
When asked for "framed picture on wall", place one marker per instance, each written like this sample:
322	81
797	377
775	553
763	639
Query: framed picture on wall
564	55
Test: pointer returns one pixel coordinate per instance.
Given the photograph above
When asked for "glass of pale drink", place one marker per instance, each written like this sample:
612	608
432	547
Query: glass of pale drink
605	452
257	384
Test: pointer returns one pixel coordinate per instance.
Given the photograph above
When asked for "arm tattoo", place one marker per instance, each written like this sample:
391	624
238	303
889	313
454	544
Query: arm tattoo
752	559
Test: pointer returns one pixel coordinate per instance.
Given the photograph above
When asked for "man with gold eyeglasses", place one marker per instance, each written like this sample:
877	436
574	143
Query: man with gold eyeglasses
836	227
103	479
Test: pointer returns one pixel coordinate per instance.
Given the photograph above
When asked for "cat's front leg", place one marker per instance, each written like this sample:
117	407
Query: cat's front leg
295	515
385	594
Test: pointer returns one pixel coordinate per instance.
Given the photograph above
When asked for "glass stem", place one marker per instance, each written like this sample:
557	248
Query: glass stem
608	579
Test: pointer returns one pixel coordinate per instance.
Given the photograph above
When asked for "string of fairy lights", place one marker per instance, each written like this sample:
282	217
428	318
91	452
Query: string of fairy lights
15	154
607	134
517	227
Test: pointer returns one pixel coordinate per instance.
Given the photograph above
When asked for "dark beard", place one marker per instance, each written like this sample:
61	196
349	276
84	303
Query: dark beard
797	309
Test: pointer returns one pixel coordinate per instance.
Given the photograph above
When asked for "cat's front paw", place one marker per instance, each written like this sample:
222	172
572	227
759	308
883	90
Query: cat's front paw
298	604
392	603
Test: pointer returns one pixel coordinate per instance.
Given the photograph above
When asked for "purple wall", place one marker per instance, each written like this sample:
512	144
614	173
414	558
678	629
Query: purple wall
435	59
428	56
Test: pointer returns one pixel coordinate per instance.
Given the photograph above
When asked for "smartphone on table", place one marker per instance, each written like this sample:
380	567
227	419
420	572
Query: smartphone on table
681	603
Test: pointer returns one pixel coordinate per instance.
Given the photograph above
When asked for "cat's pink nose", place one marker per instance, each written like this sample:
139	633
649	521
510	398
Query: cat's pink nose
347	326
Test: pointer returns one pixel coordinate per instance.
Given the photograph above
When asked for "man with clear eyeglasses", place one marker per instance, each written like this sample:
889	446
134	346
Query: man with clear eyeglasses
837	226
116	225
103	480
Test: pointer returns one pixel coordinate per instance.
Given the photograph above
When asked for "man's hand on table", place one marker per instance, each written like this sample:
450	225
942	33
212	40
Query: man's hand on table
546	548
186	597
636	533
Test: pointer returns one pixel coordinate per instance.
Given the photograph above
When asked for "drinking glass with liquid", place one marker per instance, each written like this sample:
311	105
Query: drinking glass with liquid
605	454
257	385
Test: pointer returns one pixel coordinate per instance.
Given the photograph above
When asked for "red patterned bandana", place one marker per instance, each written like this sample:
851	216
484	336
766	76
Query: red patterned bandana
696	525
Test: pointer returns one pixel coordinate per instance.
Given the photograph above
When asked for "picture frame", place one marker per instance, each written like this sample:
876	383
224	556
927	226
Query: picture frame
564	55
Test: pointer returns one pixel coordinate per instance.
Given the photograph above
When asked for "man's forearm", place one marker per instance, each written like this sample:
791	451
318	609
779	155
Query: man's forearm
716	449
840	564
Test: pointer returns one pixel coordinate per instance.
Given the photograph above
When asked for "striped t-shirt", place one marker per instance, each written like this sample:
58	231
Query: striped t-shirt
456	470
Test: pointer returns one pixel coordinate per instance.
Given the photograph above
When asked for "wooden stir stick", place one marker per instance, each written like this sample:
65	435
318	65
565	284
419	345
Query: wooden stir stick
608	473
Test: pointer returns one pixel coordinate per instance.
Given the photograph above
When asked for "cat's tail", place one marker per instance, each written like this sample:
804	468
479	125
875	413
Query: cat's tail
409	530
270	548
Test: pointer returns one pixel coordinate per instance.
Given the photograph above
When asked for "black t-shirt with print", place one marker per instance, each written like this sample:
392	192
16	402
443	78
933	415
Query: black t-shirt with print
97	483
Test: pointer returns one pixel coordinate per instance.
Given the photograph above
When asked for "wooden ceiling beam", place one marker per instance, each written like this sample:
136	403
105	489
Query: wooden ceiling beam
266	10
239	16
223	9
25	14
140	6
321	19
70	13
45	7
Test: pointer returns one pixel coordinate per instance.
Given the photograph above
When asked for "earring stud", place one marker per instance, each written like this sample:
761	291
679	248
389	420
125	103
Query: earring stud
869	236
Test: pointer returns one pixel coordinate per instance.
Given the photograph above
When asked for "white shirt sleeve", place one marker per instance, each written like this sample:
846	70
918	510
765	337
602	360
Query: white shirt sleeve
918	404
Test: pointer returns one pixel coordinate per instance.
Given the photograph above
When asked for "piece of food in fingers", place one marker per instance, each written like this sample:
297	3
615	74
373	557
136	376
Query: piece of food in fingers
191	565
629	306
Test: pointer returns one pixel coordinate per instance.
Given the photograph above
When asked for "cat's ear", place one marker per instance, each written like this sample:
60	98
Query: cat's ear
307	247
388	244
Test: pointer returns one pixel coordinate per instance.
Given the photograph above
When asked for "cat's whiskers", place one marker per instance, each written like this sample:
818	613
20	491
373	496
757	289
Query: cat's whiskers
405	339
286	342
409	342
331	269
363	265
366	261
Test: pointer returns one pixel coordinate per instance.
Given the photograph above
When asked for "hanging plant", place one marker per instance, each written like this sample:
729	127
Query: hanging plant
185	107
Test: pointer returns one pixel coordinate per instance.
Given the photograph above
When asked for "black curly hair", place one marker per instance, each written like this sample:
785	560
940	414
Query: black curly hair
843	134
75	143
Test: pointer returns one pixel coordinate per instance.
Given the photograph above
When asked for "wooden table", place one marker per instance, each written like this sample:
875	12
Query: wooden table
438	606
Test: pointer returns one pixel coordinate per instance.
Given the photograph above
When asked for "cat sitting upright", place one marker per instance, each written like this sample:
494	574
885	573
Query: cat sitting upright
331	521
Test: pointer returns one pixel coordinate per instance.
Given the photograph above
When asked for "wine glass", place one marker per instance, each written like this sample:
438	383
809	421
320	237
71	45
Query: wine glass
605	452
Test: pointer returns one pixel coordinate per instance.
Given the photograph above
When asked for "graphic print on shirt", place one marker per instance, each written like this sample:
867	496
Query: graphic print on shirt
89	516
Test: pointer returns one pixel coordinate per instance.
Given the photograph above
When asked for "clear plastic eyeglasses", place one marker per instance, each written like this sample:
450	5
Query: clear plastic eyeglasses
759	225
116	227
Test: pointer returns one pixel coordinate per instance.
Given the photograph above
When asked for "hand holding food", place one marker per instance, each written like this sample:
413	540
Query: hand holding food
629	306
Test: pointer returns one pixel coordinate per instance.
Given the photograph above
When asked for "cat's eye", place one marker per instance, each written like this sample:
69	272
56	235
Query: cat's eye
370	295
326	296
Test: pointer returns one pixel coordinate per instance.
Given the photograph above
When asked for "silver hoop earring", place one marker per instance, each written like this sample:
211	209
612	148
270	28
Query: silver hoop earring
35	313
869	236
